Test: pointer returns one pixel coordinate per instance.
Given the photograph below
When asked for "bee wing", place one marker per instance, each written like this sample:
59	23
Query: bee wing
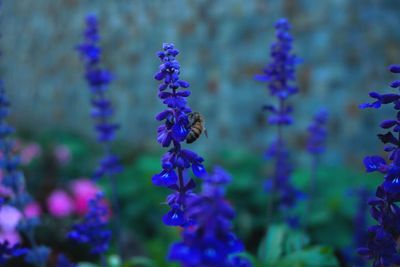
206	132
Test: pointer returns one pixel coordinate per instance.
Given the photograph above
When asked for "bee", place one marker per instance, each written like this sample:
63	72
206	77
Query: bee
197	127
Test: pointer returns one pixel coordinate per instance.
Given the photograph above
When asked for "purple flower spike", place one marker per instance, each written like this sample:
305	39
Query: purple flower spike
280	77
98	80
209	241
93	229
177	163
381	245
374	163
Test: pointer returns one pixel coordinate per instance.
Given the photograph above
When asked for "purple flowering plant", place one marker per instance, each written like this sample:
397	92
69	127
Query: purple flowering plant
210	241
279	75
381	245
172	133
93	228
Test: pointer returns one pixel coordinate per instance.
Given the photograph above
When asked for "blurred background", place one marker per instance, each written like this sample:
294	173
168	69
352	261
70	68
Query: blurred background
346	47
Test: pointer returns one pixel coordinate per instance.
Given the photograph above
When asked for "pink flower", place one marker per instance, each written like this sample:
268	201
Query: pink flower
32	210
9	218
62	153
29	152
60	204
83	190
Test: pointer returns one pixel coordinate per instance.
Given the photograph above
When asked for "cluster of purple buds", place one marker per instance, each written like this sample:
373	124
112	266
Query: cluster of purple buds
93	229
381	244
209	241
98	80
177	162
279	75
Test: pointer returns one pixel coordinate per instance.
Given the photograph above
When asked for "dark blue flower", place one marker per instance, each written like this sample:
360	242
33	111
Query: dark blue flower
171	133
93	228
392	180
374	163
280	76
209	240
381	100
381	248
8	251
381	245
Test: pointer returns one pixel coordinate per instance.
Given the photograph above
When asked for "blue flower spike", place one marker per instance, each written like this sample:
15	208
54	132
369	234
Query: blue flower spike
178	163
381	244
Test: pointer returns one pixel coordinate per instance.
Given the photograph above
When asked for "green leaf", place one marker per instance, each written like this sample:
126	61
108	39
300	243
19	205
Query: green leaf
312	257
271	247
295	240
114	261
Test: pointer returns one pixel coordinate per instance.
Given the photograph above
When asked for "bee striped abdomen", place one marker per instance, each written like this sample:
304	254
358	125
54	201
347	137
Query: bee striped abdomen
194	133
196	127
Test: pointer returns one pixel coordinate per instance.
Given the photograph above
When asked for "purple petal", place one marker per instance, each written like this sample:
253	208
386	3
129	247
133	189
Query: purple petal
183	93
159	76
164	95
394	68
163	115
165	178
373	163
388	124
179	132
183	84
198	170
395	84
174	217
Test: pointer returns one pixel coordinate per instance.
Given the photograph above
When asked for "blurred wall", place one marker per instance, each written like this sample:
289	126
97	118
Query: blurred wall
345	45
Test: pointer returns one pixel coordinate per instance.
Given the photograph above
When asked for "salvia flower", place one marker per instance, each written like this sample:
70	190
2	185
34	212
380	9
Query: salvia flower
209	241
98	80
8	251
279	75
381	244
93	229
172	133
